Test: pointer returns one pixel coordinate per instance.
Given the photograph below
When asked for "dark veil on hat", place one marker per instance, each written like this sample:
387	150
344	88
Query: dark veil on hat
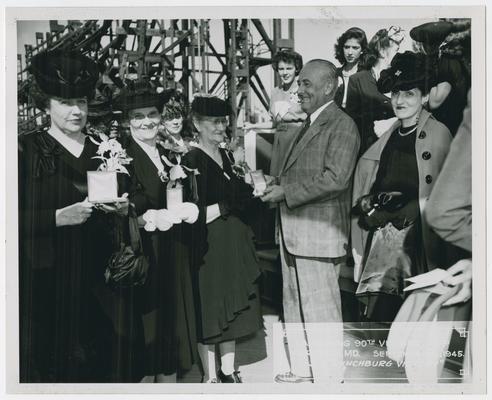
65	74
408	70
210	106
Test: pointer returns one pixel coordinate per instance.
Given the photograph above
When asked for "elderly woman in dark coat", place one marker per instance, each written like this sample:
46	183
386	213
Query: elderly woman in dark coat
66	332
226	264
167	305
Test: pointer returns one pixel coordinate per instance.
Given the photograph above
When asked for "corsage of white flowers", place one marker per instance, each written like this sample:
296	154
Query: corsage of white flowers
113	156
176	172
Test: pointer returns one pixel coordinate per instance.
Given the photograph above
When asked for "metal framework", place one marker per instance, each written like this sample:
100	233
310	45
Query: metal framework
162	50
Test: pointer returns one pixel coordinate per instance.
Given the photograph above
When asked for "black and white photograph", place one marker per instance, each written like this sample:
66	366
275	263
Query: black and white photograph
274	197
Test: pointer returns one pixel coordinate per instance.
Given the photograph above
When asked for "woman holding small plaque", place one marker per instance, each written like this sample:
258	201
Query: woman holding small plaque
167	296
65	241
224	256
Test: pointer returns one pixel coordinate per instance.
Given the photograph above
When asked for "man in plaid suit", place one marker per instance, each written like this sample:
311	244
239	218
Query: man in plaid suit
314	196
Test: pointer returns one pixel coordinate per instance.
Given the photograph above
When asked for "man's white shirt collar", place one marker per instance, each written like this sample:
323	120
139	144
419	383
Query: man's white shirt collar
316	114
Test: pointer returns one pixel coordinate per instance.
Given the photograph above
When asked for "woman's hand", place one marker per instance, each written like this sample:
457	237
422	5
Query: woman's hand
75	214
460	274
188	212
161	219
118	207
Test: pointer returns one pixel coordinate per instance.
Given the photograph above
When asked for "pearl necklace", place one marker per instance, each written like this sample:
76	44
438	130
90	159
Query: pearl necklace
407	133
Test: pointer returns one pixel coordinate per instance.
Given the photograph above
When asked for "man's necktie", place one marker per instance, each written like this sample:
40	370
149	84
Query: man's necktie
304	129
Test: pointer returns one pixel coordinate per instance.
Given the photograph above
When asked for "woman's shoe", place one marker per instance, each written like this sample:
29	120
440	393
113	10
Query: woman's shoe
235	377
289	377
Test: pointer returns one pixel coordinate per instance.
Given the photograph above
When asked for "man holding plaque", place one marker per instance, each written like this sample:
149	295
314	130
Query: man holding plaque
314	194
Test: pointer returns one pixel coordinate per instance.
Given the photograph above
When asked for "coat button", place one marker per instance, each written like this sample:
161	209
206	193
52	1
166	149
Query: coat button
426	155
428	179
422	135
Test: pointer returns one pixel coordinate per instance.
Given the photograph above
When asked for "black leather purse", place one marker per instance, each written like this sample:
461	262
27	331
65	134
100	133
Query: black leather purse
128	266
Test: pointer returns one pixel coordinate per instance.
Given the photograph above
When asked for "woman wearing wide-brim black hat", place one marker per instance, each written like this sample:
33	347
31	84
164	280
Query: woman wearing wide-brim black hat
65	242
393	180
224	257
167	303
447	99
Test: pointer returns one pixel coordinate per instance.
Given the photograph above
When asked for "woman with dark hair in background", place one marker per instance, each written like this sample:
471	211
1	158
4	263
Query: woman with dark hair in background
349	51
365	103
285	108
284	103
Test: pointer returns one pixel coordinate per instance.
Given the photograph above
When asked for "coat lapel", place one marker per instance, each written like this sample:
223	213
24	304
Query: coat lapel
295	150
146	172
374	152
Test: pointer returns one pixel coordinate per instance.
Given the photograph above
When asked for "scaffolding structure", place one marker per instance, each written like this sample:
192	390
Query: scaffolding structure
178	54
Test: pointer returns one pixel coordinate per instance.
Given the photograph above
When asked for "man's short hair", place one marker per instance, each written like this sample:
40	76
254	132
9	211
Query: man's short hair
329	69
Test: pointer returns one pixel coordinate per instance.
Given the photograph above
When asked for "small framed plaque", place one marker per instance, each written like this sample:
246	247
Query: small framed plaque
259	182
102	186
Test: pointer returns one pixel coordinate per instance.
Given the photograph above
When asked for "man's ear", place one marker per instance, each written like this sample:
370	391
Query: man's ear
328	88
425	99
331	87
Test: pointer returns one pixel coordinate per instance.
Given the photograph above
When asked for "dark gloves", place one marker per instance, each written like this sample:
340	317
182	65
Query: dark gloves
386	201
377	219
406	215
376	210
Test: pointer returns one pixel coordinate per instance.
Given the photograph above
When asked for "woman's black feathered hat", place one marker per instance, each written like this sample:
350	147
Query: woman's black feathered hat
138	94
210	106
65	74
408	70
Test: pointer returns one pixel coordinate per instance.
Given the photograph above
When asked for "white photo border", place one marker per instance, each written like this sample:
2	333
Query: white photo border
476	13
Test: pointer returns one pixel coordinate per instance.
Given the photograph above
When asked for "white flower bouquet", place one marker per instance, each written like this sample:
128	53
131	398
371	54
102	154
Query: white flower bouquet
103	183
175	176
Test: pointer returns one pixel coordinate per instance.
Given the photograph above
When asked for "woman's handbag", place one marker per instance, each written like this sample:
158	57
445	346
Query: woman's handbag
386	264
128	266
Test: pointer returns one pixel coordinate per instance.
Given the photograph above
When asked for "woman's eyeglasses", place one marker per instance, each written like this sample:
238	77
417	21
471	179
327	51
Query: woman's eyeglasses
154	116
